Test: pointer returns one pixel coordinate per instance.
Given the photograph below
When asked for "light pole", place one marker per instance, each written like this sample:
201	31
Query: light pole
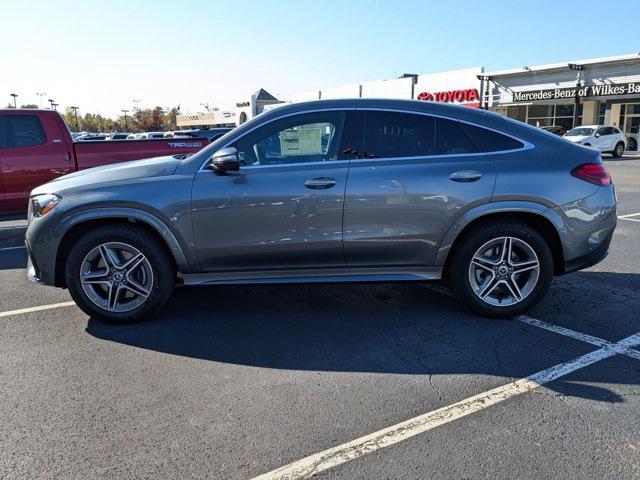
51	102
75	112
576	102
126	125
14	95
136	102
41	94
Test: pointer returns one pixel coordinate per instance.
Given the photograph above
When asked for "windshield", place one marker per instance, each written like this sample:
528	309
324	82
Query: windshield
581	131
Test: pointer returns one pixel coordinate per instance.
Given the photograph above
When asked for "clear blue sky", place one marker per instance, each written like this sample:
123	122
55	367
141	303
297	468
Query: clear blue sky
102	55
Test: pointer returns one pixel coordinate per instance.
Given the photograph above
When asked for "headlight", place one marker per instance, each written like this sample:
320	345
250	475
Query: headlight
43	204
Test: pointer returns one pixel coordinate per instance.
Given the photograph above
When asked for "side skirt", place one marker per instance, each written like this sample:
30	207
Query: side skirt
315	276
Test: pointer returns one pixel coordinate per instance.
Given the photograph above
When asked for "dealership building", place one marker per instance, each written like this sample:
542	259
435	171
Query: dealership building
604	91
597	91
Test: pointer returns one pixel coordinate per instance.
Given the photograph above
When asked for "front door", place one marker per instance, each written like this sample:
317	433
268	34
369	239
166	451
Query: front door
283	208
29	157
418	175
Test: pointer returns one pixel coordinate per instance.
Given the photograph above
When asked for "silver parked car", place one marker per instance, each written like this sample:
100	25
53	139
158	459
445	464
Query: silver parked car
331	191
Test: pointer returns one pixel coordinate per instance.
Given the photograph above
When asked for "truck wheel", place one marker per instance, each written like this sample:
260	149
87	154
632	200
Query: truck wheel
120	274
502	269
618	151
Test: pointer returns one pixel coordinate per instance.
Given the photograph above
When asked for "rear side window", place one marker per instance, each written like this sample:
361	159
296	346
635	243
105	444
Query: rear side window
394	134
21	131
451	139
490	141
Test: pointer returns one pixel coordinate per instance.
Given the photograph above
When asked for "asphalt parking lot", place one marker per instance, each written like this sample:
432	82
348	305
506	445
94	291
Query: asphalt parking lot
344	381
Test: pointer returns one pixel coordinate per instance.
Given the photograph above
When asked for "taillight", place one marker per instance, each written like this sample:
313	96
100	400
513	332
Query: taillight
595	173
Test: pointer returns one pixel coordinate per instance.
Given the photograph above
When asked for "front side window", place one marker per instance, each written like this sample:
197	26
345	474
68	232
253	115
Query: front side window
22	131
580	131
394	134
309	137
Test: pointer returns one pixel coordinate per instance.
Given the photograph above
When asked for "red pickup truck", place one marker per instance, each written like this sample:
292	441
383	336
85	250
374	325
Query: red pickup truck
36	146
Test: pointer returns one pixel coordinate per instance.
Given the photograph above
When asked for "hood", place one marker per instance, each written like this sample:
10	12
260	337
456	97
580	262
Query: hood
577	138
117	172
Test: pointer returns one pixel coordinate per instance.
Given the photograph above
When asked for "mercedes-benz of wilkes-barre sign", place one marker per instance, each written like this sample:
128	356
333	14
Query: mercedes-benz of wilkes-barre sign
588	91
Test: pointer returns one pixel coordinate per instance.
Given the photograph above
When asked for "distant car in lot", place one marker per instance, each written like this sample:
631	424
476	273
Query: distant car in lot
555	129
210	134
331	191
119	136
91	137
607	139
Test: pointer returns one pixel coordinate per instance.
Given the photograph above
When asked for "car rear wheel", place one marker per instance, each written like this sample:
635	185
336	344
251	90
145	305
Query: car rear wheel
120	274
618	151
502	269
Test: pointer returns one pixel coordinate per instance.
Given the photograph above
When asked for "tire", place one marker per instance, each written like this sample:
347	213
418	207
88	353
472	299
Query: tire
618	151
470	279
115	287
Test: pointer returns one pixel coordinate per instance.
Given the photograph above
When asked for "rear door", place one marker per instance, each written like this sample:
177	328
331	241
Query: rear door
419	173
33	152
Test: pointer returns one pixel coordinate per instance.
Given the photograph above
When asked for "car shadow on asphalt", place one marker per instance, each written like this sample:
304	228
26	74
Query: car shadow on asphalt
382	328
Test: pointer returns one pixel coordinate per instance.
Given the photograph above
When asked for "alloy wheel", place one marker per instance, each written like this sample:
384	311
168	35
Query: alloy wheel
504	271
116	277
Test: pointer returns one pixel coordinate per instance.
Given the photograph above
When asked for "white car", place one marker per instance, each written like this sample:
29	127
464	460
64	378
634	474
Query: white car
605	138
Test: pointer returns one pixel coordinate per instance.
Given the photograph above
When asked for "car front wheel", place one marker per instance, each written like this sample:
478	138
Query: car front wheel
502	269
120	274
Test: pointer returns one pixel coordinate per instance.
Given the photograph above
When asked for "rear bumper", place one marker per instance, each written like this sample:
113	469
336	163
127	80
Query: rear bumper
590	259
588	227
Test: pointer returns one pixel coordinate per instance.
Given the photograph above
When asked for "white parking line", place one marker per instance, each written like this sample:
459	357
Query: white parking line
36	309
599	342
319	462
12	248
627	217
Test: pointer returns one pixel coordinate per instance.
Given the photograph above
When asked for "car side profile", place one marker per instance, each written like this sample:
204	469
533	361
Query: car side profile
607	139
331	191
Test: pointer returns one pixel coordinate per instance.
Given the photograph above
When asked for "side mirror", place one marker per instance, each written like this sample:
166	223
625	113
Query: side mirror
597	135
225	160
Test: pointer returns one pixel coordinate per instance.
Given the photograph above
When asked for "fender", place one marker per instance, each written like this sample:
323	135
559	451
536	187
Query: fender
512	206
131	213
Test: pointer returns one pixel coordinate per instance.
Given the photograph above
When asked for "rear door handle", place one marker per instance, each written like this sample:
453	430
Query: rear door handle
465	176
320	183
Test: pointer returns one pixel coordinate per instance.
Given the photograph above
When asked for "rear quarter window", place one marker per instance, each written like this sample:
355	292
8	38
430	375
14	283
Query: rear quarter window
489	140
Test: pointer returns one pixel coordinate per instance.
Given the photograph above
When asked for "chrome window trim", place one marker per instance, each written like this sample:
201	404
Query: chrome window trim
315	110
526	144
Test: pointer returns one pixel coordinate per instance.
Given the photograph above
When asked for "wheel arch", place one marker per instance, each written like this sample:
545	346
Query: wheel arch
539	217
77	225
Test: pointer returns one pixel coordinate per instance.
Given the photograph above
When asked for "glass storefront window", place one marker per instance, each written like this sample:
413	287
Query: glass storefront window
540	111
564	110
548	115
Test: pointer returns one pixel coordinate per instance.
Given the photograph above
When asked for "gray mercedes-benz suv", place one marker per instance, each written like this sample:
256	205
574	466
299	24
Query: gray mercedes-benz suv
331	191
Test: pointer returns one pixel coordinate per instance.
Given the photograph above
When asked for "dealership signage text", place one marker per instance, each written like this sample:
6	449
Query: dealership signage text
453	96
590	91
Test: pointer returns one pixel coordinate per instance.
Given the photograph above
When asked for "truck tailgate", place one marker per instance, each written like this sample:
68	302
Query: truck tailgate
95	154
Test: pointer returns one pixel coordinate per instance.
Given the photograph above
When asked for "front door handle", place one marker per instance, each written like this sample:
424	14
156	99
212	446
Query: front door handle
465	176
320	183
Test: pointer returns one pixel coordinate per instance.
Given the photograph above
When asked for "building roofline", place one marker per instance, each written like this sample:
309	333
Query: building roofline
562	65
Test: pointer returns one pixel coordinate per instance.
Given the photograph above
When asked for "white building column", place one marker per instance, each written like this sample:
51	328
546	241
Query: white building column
590	112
